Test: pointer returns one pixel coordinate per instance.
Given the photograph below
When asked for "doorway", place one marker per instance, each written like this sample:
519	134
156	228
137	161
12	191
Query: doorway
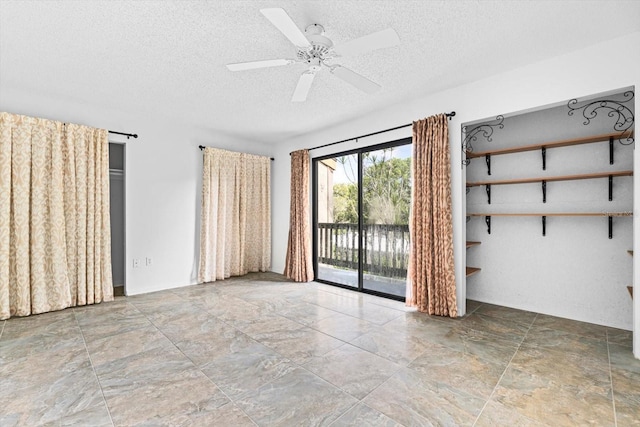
361	218
117	213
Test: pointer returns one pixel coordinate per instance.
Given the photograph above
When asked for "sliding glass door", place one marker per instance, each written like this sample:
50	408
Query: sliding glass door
361	216
337	234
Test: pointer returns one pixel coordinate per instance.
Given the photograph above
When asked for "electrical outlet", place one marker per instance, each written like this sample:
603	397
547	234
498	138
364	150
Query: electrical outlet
136	263
149	262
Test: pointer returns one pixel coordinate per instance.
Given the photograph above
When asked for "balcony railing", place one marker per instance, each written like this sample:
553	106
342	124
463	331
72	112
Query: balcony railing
385	248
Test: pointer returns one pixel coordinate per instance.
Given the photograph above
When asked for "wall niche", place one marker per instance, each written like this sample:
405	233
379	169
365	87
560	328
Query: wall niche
549	209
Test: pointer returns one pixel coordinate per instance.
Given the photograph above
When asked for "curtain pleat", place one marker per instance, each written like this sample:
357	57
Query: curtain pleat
299	263
55	232
431	277
235	231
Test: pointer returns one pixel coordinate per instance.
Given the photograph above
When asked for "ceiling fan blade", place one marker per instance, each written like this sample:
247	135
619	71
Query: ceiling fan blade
373	41
259	64
283	22
355	79
303	87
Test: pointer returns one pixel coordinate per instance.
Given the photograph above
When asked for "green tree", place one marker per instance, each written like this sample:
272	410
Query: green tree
386	186
345	203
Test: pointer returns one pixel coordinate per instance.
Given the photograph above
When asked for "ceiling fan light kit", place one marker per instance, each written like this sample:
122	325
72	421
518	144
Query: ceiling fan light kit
316	50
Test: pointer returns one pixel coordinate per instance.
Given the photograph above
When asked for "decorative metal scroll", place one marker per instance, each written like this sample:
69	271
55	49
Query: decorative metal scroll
485	130
615	109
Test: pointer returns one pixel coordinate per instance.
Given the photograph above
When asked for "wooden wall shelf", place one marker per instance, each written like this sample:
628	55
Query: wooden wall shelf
544	181
629	288
551	144
472	270
552	178
605	214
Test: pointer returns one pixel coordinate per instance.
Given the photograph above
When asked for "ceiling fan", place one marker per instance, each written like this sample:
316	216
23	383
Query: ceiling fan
316	50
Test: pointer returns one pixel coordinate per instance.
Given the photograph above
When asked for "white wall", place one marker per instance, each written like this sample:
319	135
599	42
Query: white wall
163	170
599	68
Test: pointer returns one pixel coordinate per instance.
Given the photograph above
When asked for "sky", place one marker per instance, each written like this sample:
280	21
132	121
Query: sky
342	173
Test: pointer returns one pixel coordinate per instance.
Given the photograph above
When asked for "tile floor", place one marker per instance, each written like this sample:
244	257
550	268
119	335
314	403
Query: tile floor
259	350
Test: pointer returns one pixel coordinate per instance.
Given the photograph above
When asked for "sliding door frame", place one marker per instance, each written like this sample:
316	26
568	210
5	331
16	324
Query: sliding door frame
314	192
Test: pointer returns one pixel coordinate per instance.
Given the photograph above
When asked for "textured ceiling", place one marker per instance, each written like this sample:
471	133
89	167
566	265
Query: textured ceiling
167	58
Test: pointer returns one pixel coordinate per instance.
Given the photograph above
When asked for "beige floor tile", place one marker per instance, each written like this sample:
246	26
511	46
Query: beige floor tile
560	340
620	337
496	414
583	370
114	347
622	358
245	366
398	347
298	398
411	400
299	345
554	403
626	392
507	313
342	326
505	329
305	313
354	370
362	415
472	306
588	330
57	323
460	370
167	400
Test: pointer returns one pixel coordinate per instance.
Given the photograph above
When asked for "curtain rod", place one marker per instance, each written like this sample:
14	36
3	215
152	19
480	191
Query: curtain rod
128	135
202	147
449	115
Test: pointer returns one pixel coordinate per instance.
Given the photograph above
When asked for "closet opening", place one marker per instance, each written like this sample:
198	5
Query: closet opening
117	213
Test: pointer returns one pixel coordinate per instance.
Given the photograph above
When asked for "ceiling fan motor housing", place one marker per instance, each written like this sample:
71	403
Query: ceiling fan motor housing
319	50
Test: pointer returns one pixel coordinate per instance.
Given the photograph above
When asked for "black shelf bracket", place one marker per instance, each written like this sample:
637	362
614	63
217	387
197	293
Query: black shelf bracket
544	225
610	150
544	158
487	158
610	187
610	227
487	220
544	191
488	190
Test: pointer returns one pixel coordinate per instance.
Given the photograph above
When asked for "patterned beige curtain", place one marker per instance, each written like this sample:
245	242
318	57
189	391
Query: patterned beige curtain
55	236
299	264
431	278
235	229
